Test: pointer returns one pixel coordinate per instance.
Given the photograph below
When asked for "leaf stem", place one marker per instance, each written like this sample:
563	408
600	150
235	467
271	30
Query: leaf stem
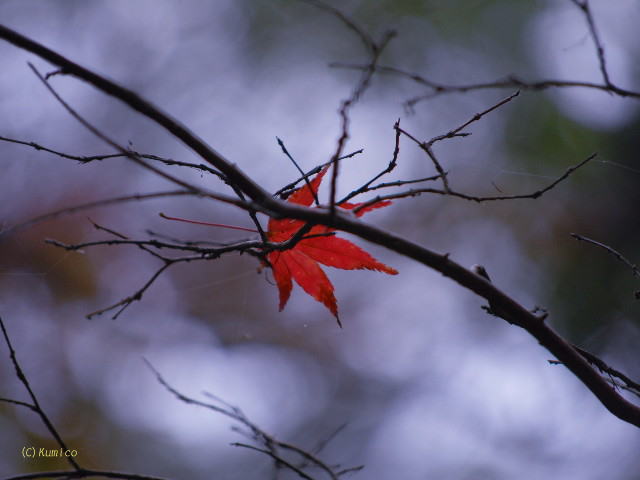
233	227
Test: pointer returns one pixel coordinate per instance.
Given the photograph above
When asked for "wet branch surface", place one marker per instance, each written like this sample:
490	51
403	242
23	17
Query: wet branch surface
249	196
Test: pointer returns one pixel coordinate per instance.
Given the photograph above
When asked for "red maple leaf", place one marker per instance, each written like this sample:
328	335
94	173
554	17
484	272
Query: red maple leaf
300	263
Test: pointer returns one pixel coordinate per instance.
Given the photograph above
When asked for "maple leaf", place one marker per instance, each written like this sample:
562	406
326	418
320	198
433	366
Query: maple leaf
300	263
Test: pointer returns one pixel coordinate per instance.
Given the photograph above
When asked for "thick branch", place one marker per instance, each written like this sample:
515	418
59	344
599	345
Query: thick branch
510	310
233	174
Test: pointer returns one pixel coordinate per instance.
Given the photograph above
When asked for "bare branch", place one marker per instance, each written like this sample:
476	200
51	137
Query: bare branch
364	37
137	159
512	311
456	131
616	378
390	167
90	158
287	189
18	402
35	405
257	434
257	248
583	5
375	50
202	254
87	206
106	139
125	238
278	459
82	473
512	82
479	199
400	183
126	302
78	471
615	253
206	252
306	179
634	269
362	86
233	174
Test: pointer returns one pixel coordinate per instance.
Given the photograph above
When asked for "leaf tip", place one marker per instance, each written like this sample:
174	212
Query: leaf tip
390	271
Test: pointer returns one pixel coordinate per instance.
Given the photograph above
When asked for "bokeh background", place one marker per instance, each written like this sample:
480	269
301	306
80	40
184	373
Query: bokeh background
425	384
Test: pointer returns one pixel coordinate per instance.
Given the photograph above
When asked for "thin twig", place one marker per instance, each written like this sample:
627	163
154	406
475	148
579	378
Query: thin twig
278	459
583	5
361	33
18	402
209	252
78	471
309	458
90	158
322	444
479	199
344	110
510	81
132	155
306	179
350	470
456	131
436	163
148	243
257	248
400	183
95	204
236	414
426	147
375	50
137	296
35	405
203	254
366	187
615	253
287	189
123	237
126	302
82	473
129	154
